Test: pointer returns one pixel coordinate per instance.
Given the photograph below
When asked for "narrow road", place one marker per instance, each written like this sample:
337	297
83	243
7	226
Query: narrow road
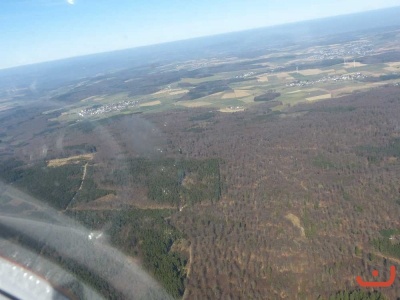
189	269
83	176
381	255
80	187
386	257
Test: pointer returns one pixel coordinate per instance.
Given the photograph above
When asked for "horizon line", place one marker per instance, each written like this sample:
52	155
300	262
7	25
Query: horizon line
192	38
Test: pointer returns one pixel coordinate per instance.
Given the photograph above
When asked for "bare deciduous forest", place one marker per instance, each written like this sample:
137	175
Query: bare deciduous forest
305	194
294	204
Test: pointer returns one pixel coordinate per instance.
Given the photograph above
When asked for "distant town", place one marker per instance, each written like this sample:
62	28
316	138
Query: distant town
357	48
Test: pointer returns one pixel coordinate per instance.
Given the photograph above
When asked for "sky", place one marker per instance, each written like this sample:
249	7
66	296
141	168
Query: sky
34	31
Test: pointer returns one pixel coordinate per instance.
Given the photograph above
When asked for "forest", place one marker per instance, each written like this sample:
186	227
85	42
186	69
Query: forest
271	95
145	234
57	186
301	191
237	205
174	181
357	295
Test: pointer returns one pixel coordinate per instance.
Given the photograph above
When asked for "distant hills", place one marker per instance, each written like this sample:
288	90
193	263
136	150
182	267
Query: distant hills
241	44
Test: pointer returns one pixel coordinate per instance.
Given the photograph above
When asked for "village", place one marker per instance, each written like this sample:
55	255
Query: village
335	78
108	108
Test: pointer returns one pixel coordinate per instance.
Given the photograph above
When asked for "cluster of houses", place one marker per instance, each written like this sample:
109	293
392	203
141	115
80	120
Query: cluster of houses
245	75
334	78
108	108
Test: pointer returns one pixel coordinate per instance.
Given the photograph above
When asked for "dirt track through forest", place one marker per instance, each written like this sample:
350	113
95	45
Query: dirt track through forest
80	187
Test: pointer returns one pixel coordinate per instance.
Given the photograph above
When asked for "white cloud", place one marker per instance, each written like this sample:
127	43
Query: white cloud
72	2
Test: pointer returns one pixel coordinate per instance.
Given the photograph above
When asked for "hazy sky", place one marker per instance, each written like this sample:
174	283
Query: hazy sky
41	30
